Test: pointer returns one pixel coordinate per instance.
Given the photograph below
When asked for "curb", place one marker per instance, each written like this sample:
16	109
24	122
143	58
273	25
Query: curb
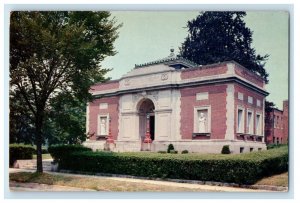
199	182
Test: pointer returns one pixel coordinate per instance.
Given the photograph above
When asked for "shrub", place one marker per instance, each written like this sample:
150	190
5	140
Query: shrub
59	151
173	152
20	151
185	152
225	149
44	150
162	152
272	146
170	147
239	168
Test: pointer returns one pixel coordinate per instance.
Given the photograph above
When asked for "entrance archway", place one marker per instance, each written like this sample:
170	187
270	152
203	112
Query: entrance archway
146	118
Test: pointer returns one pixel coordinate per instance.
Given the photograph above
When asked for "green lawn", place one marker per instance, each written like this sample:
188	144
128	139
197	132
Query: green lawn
99	184
44	156
276	180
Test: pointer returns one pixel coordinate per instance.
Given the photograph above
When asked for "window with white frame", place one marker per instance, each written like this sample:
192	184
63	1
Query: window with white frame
258	103
258	124
250	100
240	96
240	120
202	119
249	122
103	125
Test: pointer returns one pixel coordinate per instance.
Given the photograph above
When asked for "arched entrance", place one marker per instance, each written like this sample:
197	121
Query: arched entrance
146	118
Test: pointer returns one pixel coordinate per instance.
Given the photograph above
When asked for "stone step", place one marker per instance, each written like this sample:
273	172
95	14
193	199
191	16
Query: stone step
31	164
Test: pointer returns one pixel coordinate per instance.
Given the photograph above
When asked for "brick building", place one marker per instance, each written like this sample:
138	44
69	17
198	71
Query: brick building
172	100
276	125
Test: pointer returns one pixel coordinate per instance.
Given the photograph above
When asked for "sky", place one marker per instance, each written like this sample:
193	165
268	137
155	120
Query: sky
146	36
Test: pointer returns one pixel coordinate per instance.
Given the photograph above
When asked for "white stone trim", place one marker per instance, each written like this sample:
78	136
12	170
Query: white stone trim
240	96
229	135
99	121
103	106
104	91
242	128
199	108
263	121
202	96
251	124
260	123
250	100
258	103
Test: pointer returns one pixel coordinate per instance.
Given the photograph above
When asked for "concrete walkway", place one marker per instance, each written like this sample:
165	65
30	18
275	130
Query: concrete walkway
36	187
124	180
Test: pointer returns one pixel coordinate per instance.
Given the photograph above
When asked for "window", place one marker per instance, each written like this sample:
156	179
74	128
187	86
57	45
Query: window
258	103
259	149
240	96
251	149
103	125
240	120
241	149
202	119
250	100
249	122
258	124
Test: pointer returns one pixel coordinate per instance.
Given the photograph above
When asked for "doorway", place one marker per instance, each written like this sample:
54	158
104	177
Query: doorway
152	127
146	107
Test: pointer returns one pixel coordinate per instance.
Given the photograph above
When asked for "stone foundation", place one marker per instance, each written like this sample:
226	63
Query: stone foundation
196	146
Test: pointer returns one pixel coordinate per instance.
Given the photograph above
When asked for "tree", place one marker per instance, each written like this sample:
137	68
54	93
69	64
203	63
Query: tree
66	121
53	53
222	36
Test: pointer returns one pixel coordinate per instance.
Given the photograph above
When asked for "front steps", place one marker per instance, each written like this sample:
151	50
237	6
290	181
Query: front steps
31	164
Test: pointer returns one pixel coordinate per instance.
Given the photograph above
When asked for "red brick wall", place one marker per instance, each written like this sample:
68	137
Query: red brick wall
247	92
217	101
205	71
248	75
112	110
105	86
285	121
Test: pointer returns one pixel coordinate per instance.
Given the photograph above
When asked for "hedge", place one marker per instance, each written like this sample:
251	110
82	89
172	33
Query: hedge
60	151
241	169
20	151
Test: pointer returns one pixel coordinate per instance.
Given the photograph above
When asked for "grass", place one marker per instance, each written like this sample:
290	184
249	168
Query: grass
95	183
276	180
44	156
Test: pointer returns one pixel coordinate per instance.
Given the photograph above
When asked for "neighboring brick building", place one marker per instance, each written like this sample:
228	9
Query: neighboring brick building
276	125
196	108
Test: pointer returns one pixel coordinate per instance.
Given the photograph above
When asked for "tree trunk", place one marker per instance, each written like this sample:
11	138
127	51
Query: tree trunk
39	142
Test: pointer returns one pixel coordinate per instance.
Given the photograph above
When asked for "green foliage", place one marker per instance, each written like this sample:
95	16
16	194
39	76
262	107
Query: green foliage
272	146
170	147
225	149
59	151
173	152
66	121
241	168
222	36
185	152
55	55
162	152
20	151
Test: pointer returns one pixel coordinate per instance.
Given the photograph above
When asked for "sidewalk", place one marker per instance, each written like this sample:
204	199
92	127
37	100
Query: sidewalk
124	181
35	187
